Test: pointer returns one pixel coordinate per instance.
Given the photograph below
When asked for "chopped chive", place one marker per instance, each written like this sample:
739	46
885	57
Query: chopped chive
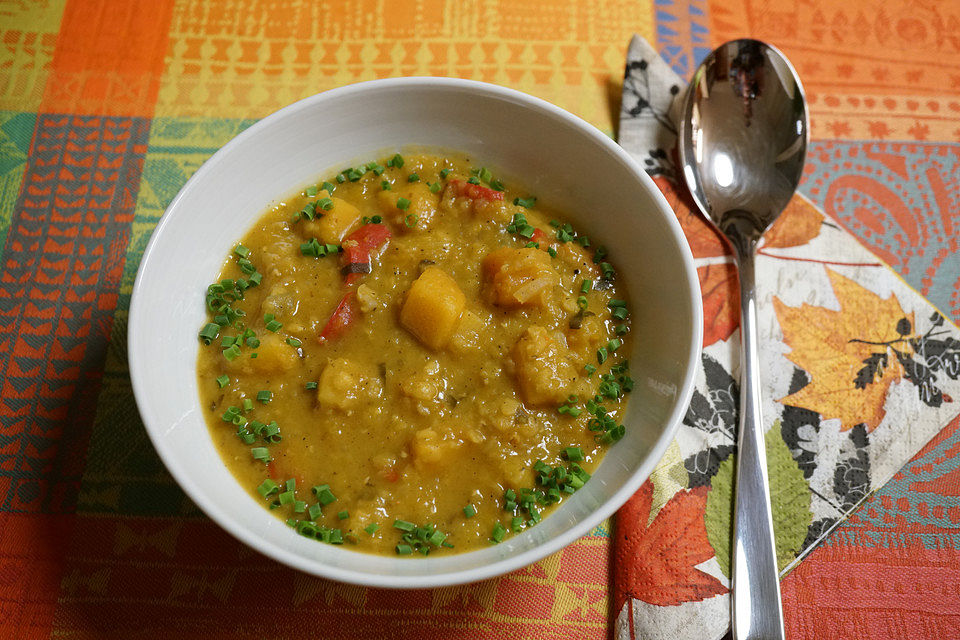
601	355
620	313
232	352
328	187
294	342
209	332
311	385
589	368
411	220
264	396
325	203
372	528
496	185
444	173
343	515
385	185
585	286
223	381
314	511
247	404
485	175
532	245
403	525
299	506
377	169
267	488
552	252
404	549
436	538
527	202
498	533
469	511
573	454
260	453
413	177
286	497
599	254
617	303
311	191
241	251
323	494
403	204
582	302
474	180
274	326
395	161
614	344
291	484
434	187
516	524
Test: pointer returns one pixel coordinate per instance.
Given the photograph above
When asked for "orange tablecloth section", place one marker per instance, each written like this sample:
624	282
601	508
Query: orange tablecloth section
106	108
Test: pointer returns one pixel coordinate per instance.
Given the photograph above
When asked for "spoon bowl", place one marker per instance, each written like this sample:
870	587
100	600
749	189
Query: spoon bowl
742	142
744	136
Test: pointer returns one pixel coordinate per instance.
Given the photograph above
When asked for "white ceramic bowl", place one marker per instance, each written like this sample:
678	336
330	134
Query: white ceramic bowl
532	143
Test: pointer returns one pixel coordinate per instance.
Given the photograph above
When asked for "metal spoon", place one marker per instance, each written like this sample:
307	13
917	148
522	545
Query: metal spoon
743	141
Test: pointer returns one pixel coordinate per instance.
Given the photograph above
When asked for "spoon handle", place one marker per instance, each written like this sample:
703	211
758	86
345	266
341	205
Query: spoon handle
755	584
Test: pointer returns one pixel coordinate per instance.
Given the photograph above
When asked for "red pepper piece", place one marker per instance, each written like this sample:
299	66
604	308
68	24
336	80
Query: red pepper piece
539	236
475	191
342	318
368	238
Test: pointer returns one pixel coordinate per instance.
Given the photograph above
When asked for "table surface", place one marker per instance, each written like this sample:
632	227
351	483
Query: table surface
106	108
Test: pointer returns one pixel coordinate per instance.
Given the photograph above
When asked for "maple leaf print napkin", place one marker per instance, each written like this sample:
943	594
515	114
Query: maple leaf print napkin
859	372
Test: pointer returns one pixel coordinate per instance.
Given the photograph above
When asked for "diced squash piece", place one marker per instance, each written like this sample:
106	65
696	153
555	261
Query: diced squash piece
430	449
587	337
426	385
344	385
542	367
420	211
518	277
334	224
432	308
273	356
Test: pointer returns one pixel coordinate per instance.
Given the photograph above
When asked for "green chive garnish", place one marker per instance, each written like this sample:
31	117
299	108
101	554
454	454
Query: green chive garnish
241	251
527	202
395	161
223	381
372	528
264	396
311	192
601	355
434	187
498	533
444	173
294	342
404	549
573	454
413	177
403	525
469	511
402	204
343	515
323	494
209	332
411	220
267	488
311	385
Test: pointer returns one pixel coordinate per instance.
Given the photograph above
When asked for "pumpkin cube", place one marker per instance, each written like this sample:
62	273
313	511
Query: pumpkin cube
518	277
432	308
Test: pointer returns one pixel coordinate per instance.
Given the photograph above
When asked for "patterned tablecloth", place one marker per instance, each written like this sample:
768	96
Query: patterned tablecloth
106	108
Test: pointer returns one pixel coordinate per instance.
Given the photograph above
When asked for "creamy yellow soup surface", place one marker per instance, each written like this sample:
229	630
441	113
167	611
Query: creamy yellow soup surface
413	358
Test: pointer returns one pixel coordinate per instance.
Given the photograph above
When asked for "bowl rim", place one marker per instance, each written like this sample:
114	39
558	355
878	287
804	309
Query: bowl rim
218	513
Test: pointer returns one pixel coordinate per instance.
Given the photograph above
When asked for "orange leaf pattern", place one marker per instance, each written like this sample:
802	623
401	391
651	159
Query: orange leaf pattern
658	563
797	225
721	310
705	241
833	346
